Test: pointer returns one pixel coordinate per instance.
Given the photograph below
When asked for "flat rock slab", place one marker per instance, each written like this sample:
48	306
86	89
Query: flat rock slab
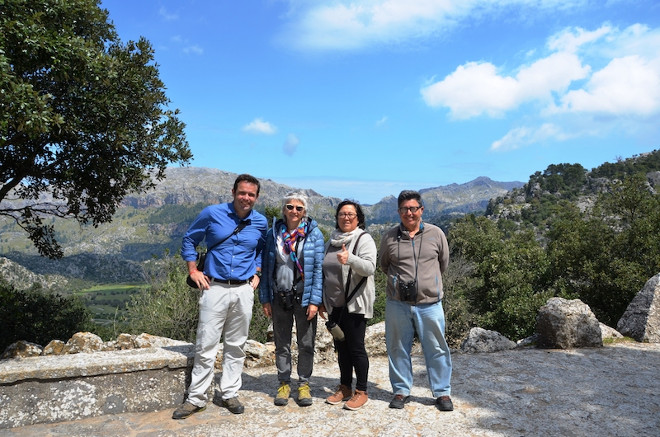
611	390
51	389
94	364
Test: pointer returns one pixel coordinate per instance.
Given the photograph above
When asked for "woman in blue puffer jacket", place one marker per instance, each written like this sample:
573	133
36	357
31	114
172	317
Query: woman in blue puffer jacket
291	289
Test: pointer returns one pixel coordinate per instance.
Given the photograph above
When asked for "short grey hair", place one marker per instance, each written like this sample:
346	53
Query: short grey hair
296	195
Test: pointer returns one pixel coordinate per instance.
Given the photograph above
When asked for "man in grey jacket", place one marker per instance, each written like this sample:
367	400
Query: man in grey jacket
414	255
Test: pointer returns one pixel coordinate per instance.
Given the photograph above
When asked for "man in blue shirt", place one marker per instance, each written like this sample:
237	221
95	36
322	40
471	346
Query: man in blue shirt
231	274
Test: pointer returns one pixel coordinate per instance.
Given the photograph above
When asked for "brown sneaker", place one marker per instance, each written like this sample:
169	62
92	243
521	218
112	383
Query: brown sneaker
359	398
343	393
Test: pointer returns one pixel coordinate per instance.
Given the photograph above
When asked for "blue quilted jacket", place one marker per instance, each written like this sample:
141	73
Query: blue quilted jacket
313	251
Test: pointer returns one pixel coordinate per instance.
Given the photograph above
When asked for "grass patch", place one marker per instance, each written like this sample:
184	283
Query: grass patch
611	340
105	301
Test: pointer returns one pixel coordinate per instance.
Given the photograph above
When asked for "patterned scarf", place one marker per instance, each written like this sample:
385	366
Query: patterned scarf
289	241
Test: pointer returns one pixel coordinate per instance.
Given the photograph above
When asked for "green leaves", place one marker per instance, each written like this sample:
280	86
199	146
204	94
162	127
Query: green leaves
168	308
39	316
84	119
602	255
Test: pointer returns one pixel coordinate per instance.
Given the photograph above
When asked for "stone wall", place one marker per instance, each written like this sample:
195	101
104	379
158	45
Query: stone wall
57	388
87	377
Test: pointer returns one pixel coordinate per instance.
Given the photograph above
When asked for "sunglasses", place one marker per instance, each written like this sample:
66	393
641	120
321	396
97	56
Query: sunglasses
298	207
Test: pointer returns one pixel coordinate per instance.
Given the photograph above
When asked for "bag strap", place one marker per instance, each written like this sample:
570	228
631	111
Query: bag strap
238	229
350	271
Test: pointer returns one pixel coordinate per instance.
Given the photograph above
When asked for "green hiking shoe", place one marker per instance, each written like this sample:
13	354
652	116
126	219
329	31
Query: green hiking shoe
304	395
283	393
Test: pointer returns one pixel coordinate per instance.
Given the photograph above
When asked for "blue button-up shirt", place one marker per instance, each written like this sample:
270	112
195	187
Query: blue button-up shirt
237	257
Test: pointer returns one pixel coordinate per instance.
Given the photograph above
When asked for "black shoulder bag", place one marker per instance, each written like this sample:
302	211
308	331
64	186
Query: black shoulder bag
201	257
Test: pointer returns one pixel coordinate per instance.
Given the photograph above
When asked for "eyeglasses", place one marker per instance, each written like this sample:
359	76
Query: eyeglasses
298	207
348	215
413	209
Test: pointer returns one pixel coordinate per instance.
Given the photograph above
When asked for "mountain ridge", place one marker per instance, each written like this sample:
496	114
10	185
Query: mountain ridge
152	223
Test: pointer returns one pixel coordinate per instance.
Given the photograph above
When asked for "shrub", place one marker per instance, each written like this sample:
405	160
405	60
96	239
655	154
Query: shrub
168	307
38	316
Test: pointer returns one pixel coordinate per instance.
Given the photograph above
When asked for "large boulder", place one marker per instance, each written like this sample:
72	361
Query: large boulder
259	354
54	347
565	324
22	349
374	339
483	340
641	320
83	342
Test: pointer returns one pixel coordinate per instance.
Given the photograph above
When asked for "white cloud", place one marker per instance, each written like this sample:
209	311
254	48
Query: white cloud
523	136
477	88
570	40
167	16
472	89
258	126
185	46
596	81
194	49
382	121
350	24
627	86
291	144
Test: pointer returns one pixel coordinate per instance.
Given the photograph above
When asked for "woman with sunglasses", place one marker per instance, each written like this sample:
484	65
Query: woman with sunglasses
349	293
291	289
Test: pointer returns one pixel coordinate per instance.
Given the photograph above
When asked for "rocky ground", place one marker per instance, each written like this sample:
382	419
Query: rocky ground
609	391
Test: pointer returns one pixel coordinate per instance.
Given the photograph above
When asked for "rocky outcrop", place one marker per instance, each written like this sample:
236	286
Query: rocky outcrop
87	342
565	324
22	278
641	320
83	342
22	349
483	340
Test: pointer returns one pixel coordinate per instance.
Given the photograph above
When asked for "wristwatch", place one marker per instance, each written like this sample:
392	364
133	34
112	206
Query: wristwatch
258	273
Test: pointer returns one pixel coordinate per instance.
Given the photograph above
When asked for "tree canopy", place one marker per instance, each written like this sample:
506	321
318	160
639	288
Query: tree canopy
84	119
602	254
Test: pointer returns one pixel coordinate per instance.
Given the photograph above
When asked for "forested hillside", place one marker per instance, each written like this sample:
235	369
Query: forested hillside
569	232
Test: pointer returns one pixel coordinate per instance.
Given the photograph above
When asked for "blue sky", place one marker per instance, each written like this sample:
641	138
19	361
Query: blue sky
361	99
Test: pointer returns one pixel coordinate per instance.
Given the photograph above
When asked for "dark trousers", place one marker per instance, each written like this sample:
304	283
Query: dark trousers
351	352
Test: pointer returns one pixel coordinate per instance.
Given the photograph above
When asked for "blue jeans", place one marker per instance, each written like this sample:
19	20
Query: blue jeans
401	322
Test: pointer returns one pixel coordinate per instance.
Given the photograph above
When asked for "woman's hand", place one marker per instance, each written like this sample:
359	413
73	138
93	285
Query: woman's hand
342	255
268	310
312	310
